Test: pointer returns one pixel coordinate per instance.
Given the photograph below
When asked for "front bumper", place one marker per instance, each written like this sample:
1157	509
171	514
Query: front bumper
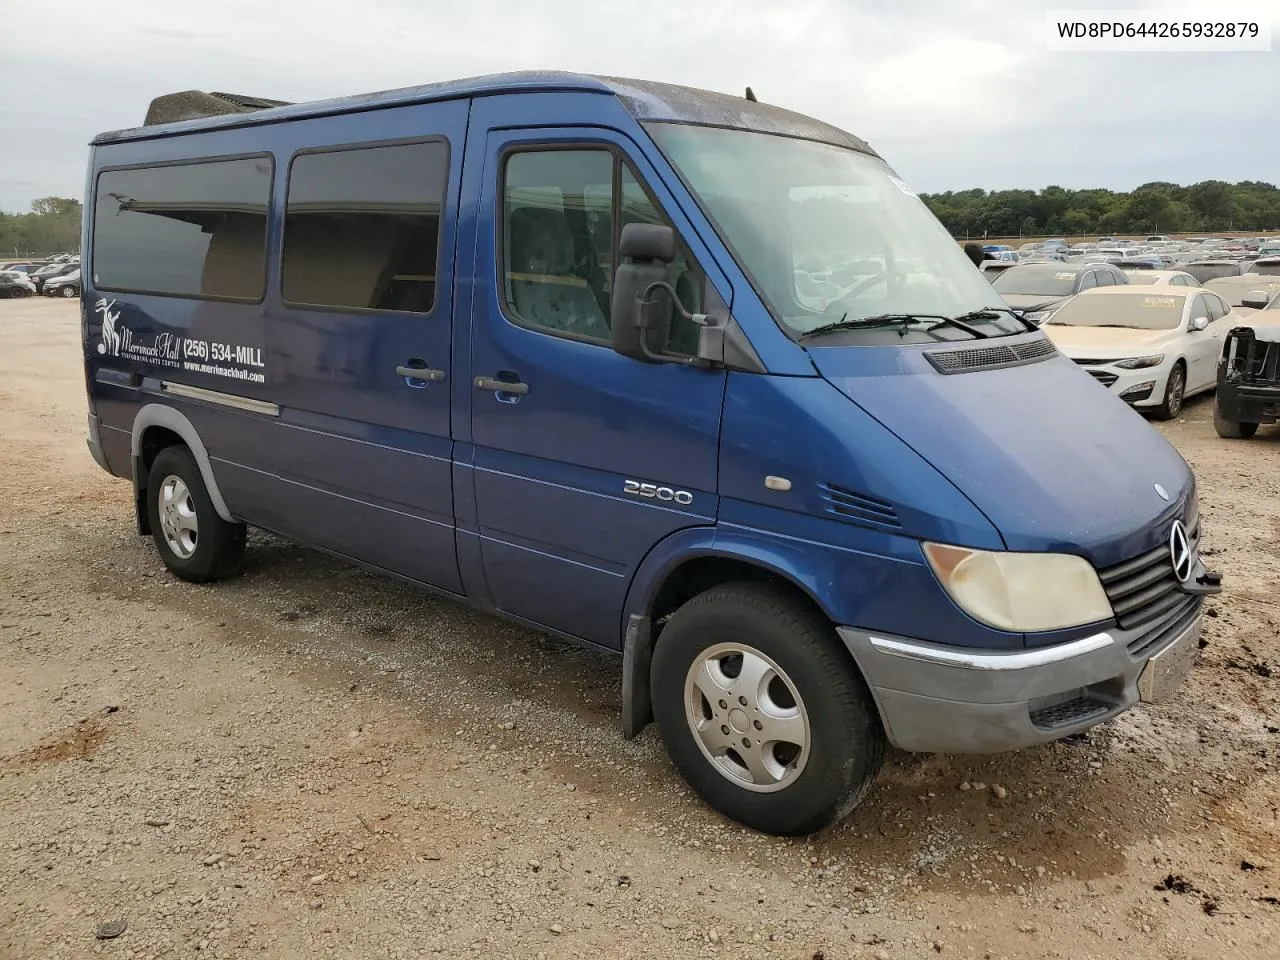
1139	388
939	699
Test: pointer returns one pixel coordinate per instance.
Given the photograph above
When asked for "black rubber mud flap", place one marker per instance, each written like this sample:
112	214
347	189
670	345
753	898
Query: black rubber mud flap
637	652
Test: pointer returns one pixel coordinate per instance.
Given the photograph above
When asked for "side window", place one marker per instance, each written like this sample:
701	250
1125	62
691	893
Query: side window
1087	281
561	218
557	237
1199	307
1102	278
362	230
1217	309
185	229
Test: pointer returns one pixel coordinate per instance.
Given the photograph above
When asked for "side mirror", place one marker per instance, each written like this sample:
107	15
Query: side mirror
643	301
1257	300
1199	323
640	307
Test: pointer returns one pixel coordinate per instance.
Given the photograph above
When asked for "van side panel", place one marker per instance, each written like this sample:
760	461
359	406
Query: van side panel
337	450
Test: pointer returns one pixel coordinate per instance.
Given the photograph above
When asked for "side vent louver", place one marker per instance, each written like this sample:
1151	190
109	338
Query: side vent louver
990	358
852	505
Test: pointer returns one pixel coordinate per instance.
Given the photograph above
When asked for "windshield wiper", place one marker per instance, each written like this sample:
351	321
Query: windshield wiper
990	313
960	323
880	320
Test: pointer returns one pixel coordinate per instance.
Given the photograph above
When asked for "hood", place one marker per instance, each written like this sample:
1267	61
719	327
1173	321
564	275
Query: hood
1051	457
1030	301
1106	342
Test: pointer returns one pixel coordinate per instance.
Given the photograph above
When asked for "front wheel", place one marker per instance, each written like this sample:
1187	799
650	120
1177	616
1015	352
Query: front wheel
1175	389
68	292
762	712
1232	429
194	542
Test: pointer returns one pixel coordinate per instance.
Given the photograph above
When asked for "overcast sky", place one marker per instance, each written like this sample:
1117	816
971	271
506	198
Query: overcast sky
954	93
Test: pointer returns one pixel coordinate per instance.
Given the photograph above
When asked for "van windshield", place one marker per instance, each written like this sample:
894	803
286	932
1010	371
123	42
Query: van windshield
828	234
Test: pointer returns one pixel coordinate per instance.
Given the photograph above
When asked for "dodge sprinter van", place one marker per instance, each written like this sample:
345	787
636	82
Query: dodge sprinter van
668	372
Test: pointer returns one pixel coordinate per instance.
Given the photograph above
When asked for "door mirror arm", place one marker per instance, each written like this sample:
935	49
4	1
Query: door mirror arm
650	317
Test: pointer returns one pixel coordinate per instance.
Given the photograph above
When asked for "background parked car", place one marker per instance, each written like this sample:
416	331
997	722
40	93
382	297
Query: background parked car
1160	278
1247	292
1038	289
1265	266
52	270
67	285
14	283
1150	348
1206	270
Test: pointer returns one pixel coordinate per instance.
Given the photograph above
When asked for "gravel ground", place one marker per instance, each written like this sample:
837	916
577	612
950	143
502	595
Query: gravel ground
310	761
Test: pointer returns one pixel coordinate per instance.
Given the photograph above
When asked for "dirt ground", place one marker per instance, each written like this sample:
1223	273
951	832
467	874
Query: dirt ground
309	761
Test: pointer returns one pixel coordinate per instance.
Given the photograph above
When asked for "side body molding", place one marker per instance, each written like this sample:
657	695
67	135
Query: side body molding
162	415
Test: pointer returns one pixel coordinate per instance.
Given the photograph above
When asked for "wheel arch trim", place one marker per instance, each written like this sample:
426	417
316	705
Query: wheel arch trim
162	415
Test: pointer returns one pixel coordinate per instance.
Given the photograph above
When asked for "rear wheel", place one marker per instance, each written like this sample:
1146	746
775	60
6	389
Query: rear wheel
1175	389
17	292
1231	429
762	712
194	542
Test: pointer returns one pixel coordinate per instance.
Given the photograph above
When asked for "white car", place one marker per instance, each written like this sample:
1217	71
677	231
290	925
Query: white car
1162	278
1151	348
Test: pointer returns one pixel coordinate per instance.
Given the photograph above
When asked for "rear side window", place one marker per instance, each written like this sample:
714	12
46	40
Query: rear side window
185	230
1217	309
362	229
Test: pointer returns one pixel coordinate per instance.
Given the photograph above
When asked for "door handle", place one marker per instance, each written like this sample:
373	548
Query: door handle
421	373
501	386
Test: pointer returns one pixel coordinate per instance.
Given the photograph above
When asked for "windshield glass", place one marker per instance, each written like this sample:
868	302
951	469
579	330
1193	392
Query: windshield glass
1143	278
828	234
1036	280
1141	311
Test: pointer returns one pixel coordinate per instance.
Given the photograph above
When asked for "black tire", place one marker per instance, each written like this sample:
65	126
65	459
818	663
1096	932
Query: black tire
68	291
846	741
17	292
216	546
1231	429
1175	391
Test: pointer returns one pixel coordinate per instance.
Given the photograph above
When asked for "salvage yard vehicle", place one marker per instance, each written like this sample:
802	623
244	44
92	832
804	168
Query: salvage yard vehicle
1161	278
67	285
1246	292
14	284
1038	289
1151	348
1249	375
535	342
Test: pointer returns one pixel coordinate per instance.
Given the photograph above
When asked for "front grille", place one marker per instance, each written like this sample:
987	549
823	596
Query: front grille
1070	713
1104	377
852	505
987	358
1167	629
1145	589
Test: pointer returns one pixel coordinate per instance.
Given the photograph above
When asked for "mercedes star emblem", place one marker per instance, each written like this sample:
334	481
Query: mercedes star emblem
1180	552
1164	494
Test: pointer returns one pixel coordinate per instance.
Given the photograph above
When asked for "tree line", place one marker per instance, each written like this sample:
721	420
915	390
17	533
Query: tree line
1164	208
52	226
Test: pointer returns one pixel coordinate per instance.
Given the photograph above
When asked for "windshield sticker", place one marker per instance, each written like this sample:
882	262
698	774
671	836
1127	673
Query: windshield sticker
1160	303
176	352
1064	276
902	185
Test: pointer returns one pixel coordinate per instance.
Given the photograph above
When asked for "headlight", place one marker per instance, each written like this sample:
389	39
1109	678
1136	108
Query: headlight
1140	363
1039	316
1020	592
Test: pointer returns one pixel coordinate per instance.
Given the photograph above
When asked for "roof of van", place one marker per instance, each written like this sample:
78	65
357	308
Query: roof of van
646	100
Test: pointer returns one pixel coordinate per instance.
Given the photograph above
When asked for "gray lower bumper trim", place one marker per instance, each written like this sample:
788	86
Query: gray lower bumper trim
938	699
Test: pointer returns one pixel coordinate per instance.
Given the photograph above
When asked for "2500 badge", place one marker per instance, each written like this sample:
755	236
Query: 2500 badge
655	492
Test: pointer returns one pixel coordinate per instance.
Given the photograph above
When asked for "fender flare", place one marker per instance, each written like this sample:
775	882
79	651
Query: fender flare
690	543
162	415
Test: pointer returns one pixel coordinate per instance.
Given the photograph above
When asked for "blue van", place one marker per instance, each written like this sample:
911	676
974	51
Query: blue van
668	372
